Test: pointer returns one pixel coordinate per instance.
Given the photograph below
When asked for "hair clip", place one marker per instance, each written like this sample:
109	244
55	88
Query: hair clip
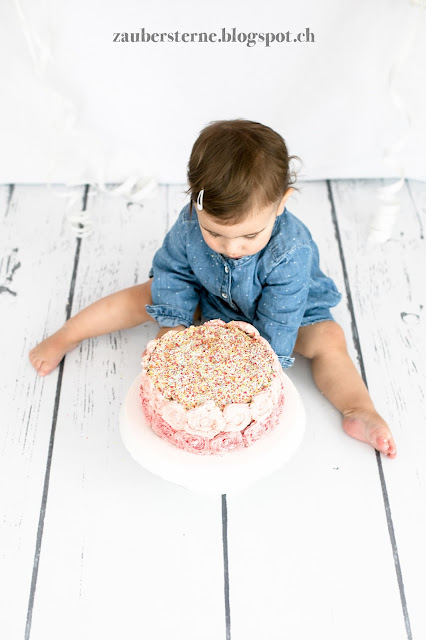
200	200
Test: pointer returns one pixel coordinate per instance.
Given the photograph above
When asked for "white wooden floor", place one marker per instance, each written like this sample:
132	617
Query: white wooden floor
92	546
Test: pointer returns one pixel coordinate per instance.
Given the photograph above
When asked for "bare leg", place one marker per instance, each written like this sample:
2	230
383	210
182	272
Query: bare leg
120	310
338	379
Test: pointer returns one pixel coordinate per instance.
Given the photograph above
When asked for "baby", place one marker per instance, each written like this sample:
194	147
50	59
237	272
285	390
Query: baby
237	253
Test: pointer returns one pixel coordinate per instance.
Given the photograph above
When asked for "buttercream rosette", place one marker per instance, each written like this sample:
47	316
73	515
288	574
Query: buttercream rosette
183	416
206	420
161	427
173	413
228	441
191	443
261	406
237	416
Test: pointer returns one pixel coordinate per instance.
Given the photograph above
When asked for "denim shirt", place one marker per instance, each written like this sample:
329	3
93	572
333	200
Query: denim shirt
277	290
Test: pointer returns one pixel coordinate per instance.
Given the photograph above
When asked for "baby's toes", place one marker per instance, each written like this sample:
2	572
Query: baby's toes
34	359
47	366
384	443
38	363
381	442
43	369
391	452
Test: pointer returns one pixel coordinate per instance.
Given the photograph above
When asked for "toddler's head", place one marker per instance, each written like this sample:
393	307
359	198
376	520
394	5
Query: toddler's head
239	172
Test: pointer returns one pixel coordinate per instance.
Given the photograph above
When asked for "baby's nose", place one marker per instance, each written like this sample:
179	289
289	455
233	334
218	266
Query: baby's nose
233	249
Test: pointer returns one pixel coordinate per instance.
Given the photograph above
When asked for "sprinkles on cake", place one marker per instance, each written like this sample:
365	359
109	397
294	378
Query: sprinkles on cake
212	362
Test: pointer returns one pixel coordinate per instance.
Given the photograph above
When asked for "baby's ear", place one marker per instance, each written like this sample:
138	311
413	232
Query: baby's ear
286	196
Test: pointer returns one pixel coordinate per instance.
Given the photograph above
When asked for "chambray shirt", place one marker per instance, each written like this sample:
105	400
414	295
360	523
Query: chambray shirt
277	290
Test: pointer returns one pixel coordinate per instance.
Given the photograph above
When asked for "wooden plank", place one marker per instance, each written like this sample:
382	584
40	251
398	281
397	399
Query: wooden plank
37	250
125	554
387	282
309	550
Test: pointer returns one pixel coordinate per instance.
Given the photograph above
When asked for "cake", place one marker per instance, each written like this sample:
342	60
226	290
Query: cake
211	389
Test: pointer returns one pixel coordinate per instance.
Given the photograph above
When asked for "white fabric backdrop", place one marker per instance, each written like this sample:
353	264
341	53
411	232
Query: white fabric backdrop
84	108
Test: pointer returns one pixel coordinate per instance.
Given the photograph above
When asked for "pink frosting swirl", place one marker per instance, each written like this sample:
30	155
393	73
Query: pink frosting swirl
237	416
275	389
255	431
173	413
261	406
216	321
146	406
246	327
161	427
147	353
205	420
151	392
150	347
146	383
224	442
157	400
192	443
258	429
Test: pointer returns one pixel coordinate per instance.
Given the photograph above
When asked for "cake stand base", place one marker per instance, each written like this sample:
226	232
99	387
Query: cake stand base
213	474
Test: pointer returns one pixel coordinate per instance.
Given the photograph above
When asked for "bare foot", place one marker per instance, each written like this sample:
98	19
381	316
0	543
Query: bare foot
368	426
47	355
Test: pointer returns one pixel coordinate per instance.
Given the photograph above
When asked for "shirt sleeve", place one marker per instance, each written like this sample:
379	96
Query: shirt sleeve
282	302
175	290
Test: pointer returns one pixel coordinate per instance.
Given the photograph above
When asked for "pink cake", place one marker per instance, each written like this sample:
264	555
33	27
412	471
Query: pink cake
211	389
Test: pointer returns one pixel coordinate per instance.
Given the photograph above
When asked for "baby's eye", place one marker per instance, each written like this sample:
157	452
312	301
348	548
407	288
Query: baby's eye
213	235
251	237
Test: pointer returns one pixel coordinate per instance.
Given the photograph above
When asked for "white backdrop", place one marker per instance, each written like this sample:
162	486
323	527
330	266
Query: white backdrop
77	107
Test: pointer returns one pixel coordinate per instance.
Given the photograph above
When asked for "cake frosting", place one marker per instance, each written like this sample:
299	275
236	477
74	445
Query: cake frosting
211	389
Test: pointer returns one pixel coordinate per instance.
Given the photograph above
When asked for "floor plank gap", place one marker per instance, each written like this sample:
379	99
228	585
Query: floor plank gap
357	344
40	527
394	547
226	566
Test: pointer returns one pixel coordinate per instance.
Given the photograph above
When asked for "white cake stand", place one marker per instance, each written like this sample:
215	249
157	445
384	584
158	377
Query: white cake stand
213	474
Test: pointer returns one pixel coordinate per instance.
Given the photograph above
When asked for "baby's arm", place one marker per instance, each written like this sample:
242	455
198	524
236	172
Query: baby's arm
281	306
175	288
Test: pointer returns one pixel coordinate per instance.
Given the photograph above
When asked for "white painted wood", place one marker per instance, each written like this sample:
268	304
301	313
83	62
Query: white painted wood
309	549
37	251
177	199
388	287
125	554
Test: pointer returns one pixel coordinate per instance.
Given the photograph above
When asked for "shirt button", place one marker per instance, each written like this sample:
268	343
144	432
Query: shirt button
224	295
226	269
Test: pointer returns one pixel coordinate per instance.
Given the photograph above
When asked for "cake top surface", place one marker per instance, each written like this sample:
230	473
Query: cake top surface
210	362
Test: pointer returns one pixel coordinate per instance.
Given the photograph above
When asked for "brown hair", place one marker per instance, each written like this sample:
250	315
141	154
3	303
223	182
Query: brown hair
239	164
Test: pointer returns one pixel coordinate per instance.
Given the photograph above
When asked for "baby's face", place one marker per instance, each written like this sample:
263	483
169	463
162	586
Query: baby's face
243	239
